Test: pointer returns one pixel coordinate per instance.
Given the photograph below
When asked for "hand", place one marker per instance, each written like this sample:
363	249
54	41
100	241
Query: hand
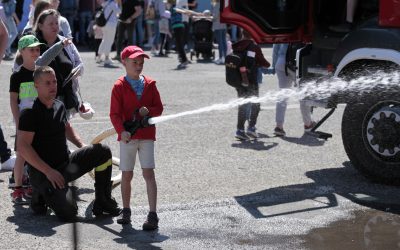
143	111
67	41
125	136
55	178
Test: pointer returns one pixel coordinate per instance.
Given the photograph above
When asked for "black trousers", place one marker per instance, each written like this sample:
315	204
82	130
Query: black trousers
61	201
123	28
179	34
243	92
5	151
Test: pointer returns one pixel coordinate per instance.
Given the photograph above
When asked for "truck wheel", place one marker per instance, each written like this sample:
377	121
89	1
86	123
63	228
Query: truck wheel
371	136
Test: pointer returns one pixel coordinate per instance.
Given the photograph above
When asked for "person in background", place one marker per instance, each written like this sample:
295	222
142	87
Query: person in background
22	95
165	32
220	33
135	96
7	160
286	78
85	12
65	28
112	10
37	7
11	23
130	10
345	27
68	9
178	30
256	57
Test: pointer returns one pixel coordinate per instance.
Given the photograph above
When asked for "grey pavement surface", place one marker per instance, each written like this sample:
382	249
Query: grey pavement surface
215	192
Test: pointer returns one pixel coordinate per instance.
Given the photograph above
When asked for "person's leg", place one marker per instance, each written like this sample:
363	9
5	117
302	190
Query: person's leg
351	9
223	44
306	114
130	28
156	37
284	82
179	33
241	109
5	152
120	39
126	180
233	33
12	33
255	107
99	158
162	43
107	41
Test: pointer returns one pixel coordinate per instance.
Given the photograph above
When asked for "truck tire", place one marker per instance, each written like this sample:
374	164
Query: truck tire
371	135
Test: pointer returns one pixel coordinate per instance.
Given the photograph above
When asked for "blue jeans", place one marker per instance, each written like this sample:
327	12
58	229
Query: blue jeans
138	33
12	32
156	37
5	152
84	19
220	36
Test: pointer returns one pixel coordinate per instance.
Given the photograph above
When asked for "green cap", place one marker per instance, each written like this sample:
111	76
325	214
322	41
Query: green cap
28	41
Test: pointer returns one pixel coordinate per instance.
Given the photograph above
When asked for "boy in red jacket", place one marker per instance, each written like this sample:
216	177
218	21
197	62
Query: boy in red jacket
135	96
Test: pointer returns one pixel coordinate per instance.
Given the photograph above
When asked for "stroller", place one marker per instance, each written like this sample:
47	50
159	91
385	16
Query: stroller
203	39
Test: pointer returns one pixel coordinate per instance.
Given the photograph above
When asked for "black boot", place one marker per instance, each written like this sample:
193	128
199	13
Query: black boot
104	202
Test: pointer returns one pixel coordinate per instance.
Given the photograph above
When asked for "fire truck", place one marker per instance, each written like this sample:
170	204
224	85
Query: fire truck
371	119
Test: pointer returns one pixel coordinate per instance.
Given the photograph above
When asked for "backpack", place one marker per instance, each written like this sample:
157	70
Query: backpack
238	59
100	19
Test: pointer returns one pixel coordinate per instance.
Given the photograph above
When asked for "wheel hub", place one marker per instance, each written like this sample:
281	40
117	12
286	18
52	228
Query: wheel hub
383	131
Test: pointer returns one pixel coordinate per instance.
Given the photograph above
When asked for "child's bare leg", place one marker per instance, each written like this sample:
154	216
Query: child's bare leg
126	188
151	186
19	170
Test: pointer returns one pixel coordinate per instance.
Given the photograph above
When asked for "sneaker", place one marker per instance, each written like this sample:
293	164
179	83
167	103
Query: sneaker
251	132
28	193
279	131
8	164
98	59
183	65
11	181
151	223
309	127
125	216
241	135
18	197
108	62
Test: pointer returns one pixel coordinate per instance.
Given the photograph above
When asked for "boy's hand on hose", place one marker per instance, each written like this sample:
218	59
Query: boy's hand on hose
125	136
143	111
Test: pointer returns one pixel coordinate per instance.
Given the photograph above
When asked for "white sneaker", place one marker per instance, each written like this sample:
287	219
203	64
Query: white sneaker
98	59
108	62
9	164
217	61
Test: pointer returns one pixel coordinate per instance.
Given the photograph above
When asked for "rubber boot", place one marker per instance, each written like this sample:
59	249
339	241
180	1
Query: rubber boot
104	203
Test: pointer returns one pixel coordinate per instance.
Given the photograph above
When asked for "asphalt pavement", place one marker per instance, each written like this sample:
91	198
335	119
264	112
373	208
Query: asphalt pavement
215	192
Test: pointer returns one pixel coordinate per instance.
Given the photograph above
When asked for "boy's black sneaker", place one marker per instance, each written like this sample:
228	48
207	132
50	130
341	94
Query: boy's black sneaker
279	132
152	222
124	217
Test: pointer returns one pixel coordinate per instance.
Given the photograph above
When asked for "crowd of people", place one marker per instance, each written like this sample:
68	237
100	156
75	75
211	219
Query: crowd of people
44	94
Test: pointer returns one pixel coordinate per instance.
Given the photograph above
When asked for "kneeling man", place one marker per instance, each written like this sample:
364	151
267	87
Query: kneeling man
42	140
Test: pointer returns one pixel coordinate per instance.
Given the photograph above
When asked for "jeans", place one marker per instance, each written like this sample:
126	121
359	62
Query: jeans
156	36
84	19
5	152
138	33
12	32
242	92
220	36
286	82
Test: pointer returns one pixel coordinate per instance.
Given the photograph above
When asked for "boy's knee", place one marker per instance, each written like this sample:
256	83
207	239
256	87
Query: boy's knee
148	174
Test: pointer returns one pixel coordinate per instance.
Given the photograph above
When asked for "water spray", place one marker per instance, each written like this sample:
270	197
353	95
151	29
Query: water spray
312	89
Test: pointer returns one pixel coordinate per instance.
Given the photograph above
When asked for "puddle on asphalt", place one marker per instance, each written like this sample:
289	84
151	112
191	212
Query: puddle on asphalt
369	229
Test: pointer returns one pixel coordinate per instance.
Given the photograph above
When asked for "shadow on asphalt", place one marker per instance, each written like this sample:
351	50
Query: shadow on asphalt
255	145
306	140
320	194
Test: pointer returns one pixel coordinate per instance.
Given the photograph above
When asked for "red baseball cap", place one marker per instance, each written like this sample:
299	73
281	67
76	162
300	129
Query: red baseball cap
133	52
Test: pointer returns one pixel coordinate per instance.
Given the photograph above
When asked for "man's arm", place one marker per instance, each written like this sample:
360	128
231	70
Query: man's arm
24	144
72	136
3	39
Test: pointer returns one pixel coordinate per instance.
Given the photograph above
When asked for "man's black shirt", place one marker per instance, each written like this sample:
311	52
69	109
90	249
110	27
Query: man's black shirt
128	8
48	124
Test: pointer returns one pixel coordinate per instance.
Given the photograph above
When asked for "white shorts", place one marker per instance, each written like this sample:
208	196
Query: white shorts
145	150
